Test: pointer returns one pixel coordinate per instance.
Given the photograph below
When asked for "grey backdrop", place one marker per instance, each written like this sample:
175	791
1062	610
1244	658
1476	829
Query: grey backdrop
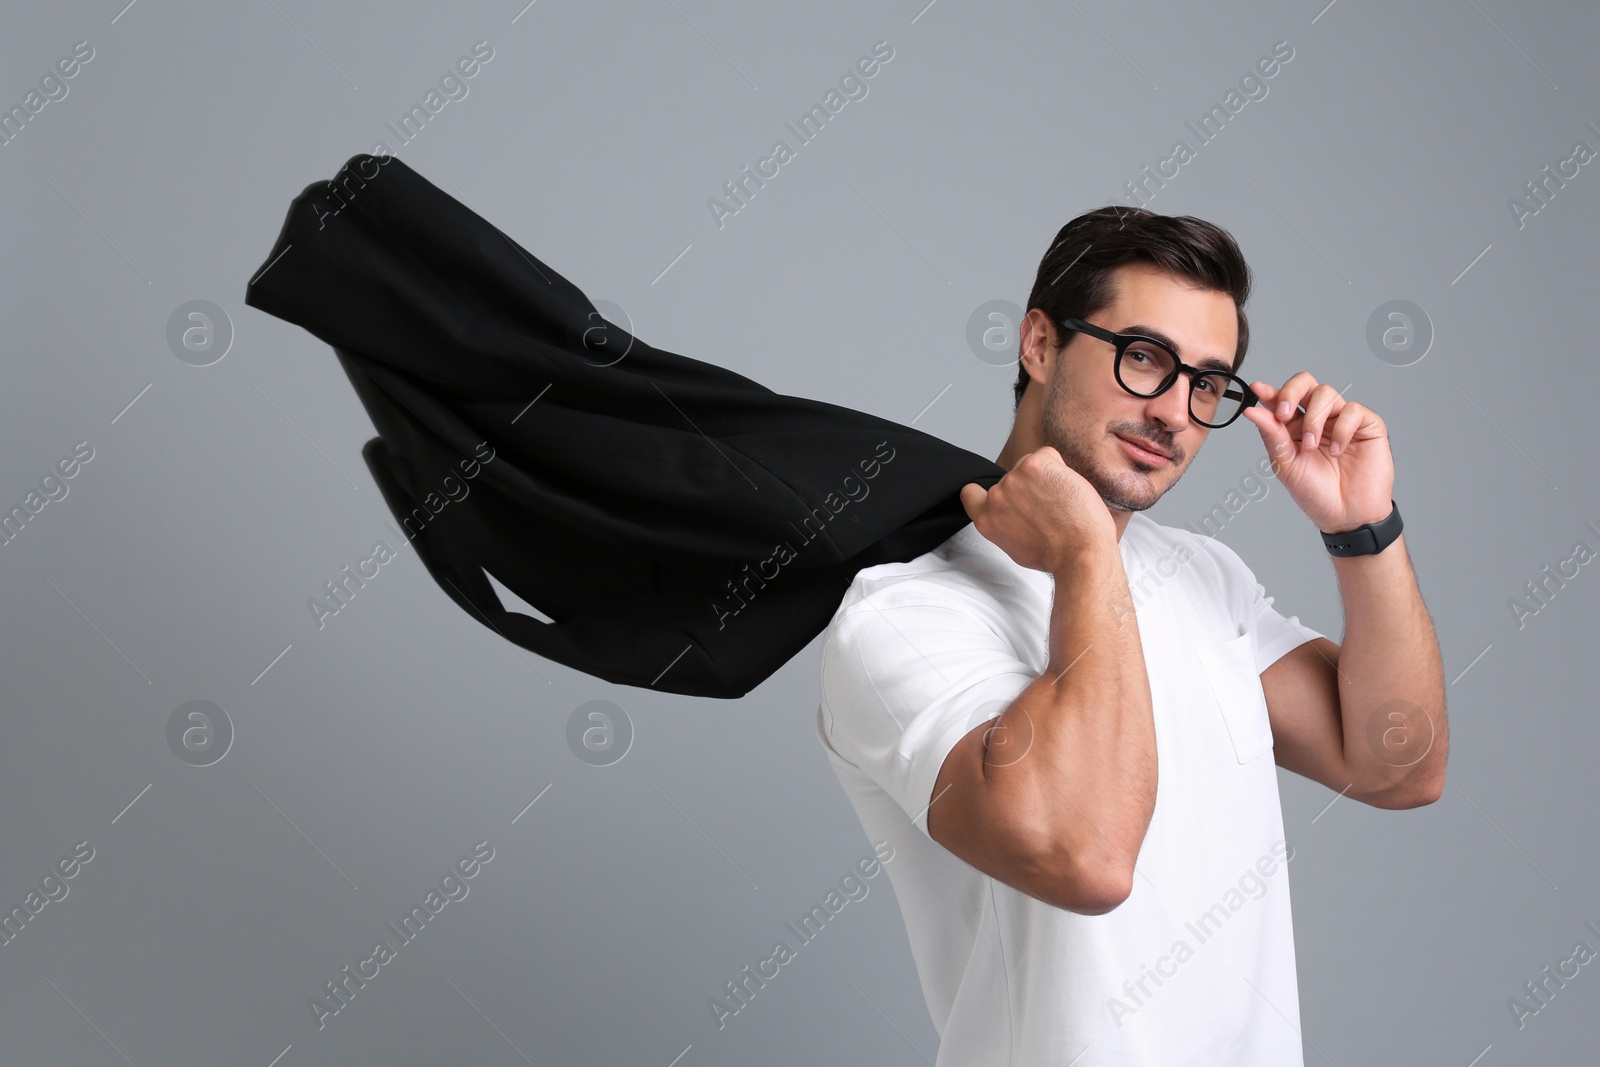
370	755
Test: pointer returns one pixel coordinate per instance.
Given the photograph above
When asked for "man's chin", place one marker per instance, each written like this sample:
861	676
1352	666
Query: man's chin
1122	493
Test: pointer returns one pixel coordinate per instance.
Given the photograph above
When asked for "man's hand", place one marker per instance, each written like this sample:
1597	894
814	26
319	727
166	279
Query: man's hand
1345	476
1042	512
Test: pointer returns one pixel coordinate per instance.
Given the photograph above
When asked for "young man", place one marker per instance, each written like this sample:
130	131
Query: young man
1081	790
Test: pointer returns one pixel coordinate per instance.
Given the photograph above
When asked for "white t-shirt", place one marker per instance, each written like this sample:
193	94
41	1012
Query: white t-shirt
1197	965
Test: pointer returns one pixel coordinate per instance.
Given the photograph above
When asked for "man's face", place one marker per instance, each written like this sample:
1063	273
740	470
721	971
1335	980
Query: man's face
1085	409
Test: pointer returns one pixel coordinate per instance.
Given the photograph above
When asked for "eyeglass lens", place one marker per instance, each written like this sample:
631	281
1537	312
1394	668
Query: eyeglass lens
1214	398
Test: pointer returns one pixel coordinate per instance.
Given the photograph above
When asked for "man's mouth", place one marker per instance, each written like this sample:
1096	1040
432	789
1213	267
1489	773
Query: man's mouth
1144	450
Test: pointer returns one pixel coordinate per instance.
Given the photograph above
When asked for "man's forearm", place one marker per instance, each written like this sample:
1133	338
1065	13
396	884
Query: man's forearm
1391	681
1090	765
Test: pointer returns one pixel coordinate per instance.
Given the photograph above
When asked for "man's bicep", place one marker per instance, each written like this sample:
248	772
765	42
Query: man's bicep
1302	691
903	683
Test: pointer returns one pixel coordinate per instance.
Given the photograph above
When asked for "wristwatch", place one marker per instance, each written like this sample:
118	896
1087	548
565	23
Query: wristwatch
1367	539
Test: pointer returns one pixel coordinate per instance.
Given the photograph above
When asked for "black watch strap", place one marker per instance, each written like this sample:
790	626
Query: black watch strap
1368	538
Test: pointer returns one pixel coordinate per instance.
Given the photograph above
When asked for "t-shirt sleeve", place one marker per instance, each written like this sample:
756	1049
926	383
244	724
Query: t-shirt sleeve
906	673
1274	634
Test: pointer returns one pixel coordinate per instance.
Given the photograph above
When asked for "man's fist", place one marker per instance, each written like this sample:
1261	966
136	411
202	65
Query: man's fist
1042	512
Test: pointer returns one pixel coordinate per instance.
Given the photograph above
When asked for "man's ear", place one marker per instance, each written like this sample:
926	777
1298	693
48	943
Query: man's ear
1039	344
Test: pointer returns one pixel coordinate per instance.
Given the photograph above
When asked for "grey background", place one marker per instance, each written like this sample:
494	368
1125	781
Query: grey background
376	751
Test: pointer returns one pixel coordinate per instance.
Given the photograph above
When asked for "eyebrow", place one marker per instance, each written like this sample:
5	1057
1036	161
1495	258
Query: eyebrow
1209	363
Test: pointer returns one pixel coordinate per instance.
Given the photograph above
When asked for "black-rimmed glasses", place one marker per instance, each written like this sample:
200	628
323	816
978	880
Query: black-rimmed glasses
1146	367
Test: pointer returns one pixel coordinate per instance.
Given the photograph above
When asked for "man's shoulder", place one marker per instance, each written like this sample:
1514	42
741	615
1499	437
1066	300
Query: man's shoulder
961	571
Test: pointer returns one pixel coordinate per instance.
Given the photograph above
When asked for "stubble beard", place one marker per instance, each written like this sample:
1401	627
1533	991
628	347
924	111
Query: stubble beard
1068	428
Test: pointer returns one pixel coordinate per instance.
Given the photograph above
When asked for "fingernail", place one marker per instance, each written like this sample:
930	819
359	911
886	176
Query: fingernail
1283	410
1333	449
1310	440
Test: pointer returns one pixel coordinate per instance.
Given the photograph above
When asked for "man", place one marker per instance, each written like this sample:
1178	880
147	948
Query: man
1090	852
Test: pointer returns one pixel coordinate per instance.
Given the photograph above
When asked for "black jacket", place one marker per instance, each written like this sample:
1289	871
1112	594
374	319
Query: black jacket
685	528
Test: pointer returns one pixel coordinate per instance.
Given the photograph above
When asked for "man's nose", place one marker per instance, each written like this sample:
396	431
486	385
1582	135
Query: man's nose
1171	408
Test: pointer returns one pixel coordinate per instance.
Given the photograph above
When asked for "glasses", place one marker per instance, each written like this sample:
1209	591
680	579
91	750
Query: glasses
1146	367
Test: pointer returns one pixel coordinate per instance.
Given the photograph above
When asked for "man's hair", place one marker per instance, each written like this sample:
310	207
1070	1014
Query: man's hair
1075	278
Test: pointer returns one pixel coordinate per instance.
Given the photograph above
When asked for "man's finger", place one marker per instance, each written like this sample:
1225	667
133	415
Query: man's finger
973	498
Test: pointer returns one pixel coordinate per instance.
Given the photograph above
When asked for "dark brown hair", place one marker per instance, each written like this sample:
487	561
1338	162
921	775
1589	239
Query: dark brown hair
1075	278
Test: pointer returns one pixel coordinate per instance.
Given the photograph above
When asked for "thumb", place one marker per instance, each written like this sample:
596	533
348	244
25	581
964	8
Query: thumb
973	498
